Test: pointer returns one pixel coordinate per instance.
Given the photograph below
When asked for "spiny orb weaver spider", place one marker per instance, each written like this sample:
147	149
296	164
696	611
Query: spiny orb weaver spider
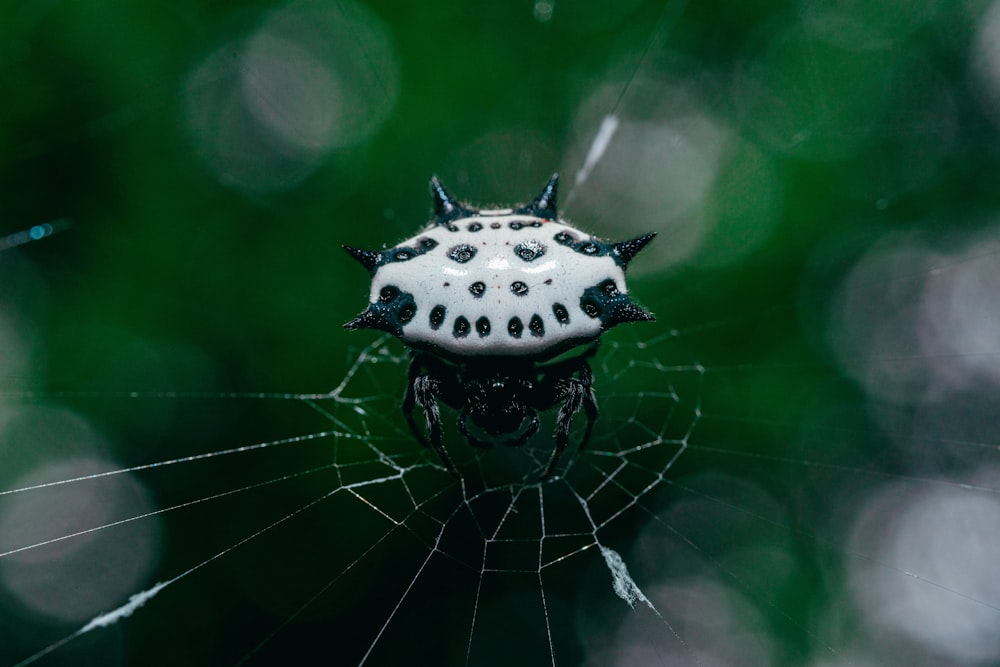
484	298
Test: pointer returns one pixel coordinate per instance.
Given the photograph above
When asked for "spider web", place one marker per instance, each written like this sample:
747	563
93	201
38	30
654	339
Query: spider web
426	535
779	475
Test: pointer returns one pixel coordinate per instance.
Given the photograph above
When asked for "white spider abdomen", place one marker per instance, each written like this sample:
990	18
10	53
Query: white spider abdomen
499	283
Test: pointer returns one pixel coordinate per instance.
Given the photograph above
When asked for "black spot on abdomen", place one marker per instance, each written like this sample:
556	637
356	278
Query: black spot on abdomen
462	253
437	316
407	311
391	310
606	302
483	327
529	251
536	326
388	294
515	327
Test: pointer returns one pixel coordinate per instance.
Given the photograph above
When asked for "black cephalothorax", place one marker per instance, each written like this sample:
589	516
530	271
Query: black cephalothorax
501	398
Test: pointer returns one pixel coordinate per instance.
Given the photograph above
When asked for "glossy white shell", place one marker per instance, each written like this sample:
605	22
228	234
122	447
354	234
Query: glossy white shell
558	276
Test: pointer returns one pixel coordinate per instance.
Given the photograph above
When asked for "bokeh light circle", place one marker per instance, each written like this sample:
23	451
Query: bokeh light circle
63	560
264	111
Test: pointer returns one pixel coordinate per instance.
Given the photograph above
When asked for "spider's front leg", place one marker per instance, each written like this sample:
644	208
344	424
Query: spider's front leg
573	393
423	388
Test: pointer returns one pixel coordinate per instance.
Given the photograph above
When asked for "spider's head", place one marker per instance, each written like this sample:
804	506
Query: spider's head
498	403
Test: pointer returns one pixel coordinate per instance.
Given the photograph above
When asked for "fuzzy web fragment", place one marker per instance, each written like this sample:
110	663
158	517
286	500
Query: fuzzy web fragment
102	621
124	611
609	125
625	587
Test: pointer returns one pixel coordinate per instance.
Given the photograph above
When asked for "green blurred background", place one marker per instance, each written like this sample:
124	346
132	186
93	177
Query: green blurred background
823	178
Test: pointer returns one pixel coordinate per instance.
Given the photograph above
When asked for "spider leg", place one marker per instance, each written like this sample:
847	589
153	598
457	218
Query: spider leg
567	367
409	400
572	399
574	394
464	430
426	390
531	430
589	404
423	390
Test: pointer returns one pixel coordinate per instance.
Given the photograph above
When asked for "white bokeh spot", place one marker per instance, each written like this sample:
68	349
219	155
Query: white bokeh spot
263	112
934	555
